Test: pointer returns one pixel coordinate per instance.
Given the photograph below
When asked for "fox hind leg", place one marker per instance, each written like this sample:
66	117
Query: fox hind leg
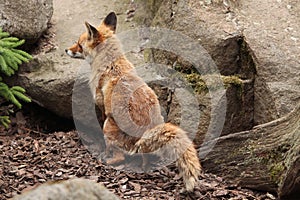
117	157
111	133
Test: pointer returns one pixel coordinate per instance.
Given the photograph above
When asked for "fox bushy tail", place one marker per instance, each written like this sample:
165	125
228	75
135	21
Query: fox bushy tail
172	142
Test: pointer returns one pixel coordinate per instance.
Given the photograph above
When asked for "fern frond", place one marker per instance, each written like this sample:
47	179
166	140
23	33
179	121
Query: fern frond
4	90
13	94
3	65
19	57
11	63
21	96
3	34
22	53
13	99
10	59
5	121
18	88
10	45
10	39
10	71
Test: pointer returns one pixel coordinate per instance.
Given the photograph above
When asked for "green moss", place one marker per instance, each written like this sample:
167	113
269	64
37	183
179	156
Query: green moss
199	85
232	80
148	55
274	161
187	69
275	172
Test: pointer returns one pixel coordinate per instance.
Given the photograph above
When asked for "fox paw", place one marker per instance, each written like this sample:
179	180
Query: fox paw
113	161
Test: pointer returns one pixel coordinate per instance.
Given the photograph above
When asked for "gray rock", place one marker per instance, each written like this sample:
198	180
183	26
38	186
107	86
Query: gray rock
243	38
143	11
26	19
75	189
209	27
272	31
48	83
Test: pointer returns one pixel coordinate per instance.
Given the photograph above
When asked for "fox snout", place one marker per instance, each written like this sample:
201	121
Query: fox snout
75	51
74	54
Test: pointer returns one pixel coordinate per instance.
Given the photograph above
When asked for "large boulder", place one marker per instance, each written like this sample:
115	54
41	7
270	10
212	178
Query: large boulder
211	27
243	39
26	19
76	189
271	29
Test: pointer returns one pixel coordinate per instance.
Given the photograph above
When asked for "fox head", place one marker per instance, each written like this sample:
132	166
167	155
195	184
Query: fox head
93	37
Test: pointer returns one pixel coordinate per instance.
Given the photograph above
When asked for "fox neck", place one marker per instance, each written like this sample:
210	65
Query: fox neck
103	58
105	53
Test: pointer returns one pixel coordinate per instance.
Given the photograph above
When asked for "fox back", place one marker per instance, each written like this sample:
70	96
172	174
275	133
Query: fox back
113	81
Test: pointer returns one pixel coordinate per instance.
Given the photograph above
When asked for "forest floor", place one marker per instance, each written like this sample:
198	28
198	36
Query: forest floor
30	157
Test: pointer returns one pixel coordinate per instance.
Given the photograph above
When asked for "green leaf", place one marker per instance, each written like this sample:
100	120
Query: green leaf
11	45
22	53
3	65
4	91
10	71
11	63
3	85
5	121
19	58
10	39
18	88
13	99
10	59
19	43
3	34
21	96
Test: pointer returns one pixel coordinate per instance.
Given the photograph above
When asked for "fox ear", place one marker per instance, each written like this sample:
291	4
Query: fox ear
111	21
92	31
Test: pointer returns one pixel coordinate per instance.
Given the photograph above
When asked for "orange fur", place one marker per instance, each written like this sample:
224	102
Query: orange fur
133	120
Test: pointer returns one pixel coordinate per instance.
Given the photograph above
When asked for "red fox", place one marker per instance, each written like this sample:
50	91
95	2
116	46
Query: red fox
133	120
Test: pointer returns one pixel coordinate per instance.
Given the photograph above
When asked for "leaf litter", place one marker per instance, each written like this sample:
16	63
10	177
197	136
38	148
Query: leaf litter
29	158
